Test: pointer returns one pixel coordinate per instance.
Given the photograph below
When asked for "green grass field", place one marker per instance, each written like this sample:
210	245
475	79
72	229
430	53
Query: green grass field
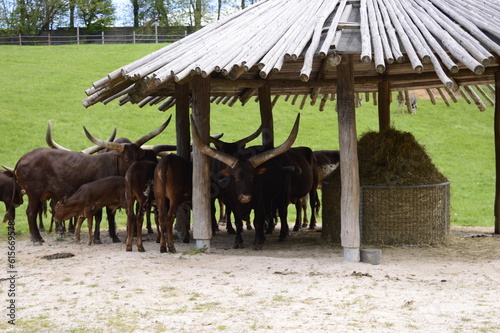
47	83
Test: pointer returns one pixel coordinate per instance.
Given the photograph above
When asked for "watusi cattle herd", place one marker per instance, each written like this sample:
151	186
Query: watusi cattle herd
255	184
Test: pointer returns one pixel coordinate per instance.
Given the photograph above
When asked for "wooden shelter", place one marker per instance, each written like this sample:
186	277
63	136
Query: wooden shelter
317	50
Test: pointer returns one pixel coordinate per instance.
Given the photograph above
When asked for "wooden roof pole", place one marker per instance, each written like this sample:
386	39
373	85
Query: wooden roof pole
384	105
183	139
202	221
266	116
497	152
349	166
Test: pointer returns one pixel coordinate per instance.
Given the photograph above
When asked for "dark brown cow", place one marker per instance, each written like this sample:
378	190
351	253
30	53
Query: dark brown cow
258	180
172	188
138	188
10	194
52	174
327	161
89	198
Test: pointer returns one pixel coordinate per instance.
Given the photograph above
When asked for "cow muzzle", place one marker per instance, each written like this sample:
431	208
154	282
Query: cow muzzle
244	198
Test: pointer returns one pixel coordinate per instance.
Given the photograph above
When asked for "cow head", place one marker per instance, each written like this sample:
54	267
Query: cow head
17	194
242	168
131	151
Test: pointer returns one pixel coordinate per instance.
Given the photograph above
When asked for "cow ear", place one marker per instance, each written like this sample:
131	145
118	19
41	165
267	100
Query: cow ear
63	200
261	171
225	172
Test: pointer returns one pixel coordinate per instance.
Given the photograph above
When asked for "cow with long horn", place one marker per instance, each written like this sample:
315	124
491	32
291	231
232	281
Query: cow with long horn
52	173
258	179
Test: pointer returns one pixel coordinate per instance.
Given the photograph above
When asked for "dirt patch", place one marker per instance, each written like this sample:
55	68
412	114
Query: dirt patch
296	286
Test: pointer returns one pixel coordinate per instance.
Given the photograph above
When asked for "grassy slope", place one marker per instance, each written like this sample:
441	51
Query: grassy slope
42	83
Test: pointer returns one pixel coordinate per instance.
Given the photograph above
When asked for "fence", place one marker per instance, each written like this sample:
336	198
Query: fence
115	36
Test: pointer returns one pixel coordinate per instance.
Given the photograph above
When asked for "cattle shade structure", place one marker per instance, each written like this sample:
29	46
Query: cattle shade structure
321	50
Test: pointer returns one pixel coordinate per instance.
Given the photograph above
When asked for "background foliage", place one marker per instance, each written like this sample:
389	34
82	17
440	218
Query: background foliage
48	83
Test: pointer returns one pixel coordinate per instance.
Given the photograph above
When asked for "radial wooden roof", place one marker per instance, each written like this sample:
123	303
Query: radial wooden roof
295	45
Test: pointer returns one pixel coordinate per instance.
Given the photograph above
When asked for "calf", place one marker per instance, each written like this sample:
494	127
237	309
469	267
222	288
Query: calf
10	194
172	188
88	199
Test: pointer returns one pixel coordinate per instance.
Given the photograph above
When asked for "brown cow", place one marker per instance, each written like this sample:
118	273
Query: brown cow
89	198
10	194
172	188
138	188
52	173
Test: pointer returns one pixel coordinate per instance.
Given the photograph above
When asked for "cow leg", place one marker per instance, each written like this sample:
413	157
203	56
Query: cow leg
305	221
283	213
314	203
298	218
41	227
97	232
229	225
238	242
130	225
78	228
148	216
90	222
31	212
138	221
71	226
162	218
215	226
170	226
259	229
112	225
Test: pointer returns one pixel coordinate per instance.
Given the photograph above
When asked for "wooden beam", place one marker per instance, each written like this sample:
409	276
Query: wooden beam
497	153
266	116
384	105
349	174
202	221
183	140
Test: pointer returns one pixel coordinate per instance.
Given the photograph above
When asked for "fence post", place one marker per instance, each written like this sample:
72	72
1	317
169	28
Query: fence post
156	32
48	39
102	34
133	37
20	40
78	35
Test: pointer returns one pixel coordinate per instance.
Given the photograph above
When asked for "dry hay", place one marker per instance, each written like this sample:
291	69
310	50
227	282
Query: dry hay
394	157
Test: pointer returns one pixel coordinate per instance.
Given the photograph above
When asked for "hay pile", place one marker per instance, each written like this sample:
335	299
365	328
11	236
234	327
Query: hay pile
394	158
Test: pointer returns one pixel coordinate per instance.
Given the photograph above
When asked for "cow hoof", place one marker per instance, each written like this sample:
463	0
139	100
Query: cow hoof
249	227
141	249
128	248
172	249
231	232
185	240
238	246
150	231
296	228
304	225
97	241
163	249
312	227
258	247
116	240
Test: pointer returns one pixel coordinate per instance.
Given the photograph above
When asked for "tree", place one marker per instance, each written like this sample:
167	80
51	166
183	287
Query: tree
30	17
95	14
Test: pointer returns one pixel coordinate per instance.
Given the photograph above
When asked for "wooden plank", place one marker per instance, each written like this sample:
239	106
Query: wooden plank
497	155
384	105
266	116
349	206
202	220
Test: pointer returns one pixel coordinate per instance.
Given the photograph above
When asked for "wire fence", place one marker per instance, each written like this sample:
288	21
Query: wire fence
102	38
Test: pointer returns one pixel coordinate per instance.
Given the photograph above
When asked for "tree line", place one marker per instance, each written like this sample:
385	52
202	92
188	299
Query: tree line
32	17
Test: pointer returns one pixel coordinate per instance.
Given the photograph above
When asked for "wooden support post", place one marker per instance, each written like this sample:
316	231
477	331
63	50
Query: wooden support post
384	105
266	116
349	167
497	152
202	222
183	143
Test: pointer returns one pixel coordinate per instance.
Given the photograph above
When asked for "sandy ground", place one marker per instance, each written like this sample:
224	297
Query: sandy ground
301	285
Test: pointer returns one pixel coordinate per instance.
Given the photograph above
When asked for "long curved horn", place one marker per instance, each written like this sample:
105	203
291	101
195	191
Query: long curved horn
139	142
267	155
205	149
50	142
95	149
9	169
104	144
240	143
